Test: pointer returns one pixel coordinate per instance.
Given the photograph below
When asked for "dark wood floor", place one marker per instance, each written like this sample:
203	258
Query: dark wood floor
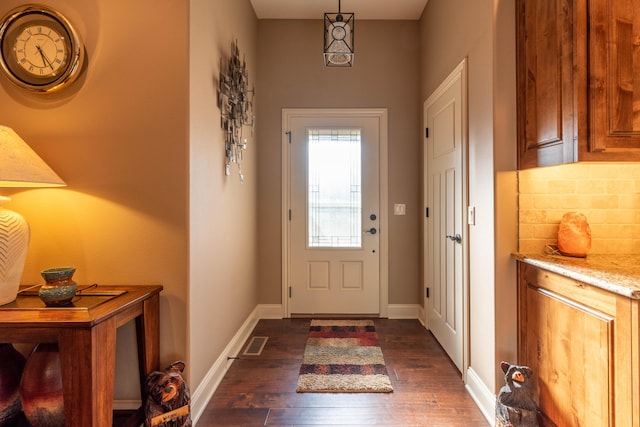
261	390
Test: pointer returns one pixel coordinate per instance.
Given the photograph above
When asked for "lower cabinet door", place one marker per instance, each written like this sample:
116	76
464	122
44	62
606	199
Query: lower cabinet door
577	340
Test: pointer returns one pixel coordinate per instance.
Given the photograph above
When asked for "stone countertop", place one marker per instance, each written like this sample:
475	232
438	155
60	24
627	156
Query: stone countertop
619	273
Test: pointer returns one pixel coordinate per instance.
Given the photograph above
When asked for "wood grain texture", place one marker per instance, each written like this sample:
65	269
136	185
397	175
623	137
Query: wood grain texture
86	337
148	339
579	340
614	78
578	81
545	83
260	390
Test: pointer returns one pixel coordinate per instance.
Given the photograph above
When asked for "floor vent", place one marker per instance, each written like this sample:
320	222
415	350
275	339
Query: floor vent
255	346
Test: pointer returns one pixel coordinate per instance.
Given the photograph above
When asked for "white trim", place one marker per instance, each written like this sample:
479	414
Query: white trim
480	394
395	311
287	115
269	311
201	396
422	315
404	311
466	348
284	247
459	73
126	405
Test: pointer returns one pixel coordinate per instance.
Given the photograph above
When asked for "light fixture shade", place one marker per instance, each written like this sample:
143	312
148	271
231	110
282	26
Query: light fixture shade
20	166
338	39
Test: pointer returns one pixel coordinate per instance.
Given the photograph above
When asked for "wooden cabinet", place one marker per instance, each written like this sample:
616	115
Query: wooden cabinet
614	79
545	83
578	77
580	341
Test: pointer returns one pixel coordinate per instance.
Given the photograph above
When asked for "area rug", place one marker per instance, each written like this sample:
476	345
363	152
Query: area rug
343	356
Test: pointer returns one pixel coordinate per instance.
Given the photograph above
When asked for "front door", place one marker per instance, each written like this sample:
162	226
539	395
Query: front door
334	214
446	203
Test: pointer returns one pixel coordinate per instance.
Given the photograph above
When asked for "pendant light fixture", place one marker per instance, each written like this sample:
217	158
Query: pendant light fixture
338	39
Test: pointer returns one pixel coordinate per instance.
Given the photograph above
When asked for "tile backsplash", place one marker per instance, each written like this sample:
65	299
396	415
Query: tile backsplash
608	194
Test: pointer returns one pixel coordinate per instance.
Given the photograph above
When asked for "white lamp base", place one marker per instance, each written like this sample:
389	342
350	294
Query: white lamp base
14	241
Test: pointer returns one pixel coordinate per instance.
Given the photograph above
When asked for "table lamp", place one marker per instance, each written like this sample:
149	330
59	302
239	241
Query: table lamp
20	166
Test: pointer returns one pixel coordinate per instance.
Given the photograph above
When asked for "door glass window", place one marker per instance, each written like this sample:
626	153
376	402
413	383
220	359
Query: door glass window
334	188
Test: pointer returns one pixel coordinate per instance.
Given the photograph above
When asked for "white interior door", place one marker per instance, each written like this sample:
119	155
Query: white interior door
334	214
445	225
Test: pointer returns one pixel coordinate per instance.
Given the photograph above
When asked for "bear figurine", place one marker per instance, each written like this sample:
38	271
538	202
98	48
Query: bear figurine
167	402
516	404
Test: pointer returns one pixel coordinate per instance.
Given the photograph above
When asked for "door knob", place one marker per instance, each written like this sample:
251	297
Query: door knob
372	230
457	238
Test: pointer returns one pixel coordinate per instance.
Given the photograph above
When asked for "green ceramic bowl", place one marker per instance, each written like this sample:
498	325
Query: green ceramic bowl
57	273
60	288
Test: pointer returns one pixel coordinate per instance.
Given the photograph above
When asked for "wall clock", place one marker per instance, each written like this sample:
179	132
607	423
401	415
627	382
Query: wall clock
40	49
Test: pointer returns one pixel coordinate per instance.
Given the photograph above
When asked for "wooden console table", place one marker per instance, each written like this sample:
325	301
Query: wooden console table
86	336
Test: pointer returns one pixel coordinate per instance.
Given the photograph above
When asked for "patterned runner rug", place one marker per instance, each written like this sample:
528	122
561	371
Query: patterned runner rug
343	356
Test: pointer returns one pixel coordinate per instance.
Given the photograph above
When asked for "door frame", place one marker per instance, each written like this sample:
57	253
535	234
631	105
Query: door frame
458	73
381	114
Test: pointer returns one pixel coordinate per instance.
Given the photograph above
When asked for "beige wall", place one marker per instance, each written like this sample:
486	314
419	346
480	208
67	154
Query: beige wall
119	139
385	75
138	140
223	228
483	31
606	193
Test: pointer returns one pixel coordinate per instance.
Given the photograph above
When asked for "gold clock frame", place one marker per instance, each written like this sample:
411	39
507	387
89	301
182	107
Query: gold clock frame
11	27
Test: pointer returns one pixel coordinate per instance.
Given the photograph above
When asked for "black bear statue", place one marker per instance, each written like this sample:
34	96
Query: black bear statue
168	398
516	404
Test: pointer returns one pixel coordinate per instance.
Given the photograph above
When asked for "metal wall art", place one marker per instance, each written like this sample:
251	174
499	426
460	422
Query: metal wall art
235	101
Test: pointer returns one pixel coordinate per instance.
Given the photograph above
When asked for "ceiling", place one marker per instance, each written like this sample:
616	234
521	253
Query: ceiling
315	9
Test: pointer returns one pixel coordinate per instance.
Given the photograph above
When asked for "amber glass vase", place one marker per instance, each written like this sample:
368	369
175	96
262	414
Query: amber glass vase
41	387
11	366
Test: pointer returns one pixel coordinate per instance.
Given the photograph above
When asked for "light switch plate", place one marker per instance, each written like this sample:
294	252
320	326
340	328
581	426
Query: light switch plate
399	209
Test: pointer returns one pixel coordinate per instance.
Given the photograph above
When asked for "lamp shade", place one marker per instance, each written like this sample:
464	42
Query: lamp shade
20	166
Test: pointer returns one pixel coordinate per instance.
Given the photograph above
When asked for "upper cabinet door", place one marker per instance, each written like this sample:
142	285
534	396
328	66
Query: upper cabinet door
545	80
578	75
614	80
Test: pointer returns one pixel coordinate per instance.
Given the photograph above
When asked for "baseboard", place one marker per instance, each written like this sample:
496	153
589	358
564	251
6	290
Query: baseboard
483	397
422	315
404	311
126	405
201	396
270	311
395	311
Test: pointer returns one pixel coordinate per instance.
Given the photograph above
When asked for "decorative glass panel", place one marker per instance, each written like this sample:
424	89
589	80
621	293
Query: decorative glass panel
335	198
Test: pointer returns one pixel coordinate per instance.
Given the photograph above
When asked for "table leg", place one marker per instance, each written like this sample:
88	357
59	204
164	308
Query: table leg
88	360
148	337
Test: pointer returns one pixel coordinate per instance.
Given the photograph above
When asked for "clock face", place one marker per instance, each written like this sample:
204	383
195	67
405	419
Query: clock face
40	50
